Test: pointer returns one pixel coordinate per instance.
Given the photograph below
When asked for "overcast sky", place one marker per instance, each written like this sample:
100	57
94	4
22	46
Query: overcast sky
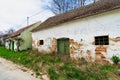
13	13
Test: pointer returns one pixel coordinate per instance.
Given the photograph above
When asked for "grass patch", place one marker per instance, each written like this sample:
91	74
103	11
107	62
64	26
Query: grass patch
108	67
60	67
53	75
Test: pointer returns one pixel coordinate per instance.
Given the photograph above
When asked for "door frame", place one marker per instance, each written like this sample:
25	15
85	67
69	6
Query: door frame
12	48
64	45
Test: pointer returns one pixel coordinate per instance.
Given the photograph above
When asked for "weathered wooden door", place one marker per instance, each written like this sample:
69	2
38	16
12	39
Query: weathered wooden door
63	46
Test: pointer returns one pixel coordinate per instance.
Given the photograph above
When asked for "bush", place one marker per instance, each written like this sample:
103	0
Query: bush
115	59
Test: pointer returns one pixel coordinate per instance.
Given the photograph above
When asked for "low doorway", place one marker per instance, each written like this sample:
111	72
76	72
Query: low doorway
63	46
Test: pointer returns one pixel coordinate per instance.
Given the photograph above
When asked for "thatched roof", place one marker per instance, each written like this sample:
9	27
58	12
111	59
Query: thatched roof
88	10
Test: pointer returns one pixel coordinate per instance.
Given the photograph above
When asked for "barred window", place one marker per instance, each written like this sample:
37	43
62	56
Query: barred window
102	40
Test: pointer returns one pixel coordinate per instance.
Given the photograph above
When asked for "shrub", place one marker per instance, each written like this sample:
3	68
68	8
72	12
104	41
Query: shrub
115	59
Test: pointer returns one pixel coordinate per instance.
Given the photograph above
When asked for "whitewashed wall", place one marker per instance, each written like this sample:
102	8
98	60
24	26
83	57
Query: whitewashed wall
7	45
107	23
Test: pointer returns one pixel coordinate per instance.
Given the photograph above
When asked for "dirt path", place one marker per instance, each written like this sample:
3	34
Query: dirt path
11	71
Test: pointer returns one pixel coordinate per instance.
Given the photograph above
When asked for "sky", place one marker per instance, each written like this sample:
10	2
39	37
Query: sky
14	13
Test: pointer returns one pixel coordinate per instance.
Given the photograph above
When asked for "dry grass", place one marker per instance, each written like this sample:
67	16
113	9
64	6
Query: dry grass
61	67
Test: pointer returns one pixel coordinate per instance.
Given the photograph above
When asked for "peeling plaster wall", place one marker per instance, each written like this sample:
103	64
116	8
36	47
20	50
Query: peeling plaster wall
15	46
7	44
114	48
27	38
47	47
81	33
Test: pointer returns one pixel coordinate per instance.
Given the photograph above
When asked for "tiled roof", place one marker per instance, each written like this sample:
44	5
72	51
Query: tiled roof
85	11
20	31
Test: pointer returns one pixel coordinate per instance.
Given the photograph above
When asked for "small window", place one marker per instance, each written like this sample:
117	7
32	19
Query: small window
101	40
41	42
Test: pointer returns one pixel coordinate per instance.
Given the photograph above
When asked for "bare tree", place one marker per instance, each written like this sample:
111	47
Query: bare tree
61	6
10	31
95	1
1	33
7	32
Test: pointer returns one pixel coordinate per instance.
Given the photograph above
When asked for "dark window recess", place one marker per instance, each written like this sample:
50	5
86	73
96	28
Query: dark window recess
102	40
41	42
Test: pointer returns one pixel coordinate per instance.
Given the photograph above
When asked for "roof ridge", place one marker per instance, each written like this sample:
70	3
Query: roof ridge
85	11
16	33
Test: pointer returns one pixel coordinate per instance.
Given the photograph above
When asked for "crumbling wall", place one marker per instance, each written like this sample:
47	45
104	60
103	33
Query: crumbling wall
81	33
54	45
95	53
83	49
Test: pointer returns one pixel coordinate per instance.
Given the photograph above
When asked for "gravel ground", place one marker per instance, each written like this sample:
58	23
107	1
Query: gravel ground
11	71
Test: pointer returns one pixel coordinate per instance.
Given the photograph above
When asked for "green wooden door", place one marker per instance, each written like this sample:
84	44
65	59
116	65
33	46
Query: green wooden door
67	47
12	45
63	46
60	47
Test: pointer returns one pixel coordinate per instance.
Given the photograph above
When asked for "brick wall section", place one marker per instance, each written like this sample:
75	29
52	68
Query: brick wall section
54	45
74	50
71	47
99	57
88	56
100	49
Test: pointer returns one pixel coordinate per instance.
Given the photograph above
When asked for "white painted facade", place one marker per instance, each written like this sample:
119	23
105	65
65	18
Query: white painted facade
7	44
83	31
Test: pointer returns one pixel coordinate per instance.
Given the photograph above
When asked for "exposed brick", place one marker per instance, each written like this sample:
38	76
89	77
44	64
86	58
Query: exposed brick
99	51
71	50
54	44
98	56
71	41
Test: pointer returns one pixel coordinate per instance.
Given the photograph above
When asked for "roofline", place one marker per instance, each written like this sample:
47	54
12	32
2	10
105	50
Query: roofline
27	27
89	10
84	16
